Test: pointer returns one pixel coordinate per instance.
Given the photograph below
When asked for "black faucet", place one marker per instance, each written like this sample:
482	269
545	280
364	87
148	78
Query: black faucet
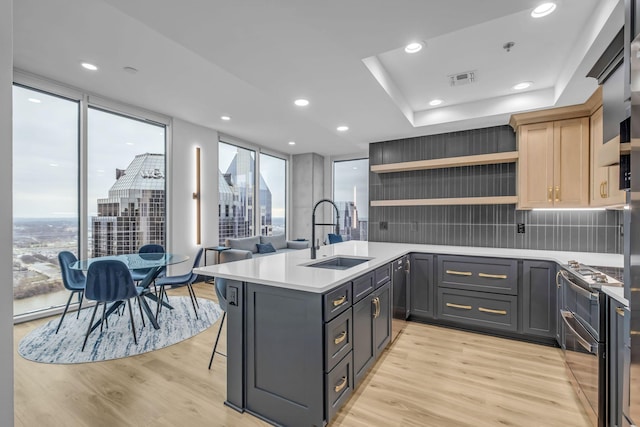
313	225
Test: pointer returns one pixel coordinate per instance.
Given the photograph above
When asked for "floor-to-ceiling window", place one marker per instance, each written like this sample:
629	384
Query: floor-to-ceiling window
236	166
273	191
351	194
246	199
45	195
125	183
124	197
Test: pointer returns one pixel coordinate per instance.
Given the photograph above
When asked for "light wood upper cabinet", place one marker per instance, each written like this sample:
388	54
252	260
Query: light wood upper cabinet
604	179
553	168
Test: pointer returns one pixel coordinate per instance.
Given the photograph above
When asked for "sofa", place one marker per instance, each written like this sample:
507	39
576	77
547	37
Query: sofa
257	246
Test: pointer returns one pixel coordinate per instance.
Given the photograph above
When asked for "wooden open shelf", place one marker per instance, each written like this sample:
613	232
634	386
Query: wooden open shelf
448	162
499	200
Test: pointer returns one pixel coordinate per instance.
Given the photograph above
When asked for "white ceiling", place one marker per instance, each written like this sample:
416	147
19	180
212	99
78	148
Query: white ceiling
200	59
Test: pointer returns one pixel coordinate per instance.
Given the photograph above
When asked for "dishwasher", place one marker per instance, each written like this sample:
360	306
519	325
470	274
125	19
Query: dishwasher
401	295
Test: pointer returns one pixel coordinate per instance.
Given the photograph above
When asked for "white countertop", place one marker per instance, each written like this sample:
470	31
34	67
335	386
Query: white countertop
289	270
617	293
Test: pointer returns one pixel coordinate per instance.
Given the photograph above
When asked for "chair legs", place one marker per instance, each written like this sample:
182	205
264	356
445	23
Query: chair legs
194	300
104	320
66	307
224	314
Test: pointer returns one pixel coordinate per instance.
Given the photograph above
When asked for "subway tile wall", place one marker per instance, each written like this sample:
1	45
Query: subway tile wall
475	225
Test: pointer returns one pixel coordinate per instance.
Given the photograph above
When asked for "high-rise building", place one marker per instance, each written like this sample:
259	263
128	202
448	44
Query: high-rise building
236	204
133	214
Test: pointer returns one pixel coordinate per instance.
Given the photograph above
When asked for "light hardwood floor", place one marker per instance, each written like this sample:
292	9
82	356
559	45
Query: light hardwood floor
430	376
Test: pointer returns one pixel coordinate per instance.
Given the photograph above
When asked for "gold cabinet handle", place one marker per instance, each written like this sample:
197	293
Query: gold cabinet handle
343	383
462	307
602	189
493	276
340	337
550	194
605	193
620	311
337	302
558	284
459	273
492	311
557	193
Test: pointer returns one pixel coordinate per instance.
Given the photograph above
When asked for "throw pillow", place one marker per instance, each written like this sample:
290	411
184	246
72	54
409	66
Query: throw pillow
334	238
265	248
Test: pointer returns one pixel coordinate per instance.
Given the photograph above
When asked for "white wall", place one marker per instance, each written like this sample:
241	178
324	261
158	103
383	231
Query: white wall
182	208
6	215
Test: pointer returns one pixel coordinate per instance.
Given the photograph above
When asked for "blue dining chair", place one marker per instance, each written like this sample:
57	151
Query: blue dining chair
183	280
109	281
73	280
139	274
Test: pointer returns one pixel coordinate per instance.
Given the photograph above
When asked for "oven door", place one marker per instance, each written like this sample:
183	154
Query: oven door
584	357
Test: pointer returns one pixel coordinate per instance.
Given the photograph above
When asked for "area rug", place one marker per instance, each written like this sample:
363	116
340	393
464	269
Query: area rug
44	345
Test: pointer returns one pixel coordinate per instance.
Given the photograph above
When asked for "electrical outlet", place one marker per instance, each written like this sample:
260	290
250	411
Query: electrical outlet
384	225
520	227
232	295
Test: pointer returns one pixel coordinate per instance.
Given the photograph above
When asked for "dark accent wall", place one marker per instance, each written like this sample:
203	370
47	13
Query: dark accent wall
474	225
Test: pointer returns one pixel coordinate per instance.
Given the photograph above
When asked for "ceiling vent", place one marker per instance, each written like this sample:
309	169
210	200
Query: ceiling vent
462	78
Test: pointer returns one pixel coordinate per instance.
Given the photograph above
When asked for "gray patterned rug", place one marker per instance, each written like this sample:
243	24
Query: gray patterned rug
44	345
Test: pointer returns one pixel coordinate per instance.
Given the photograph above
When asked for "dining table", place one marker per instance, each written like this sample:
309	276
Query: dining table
152	263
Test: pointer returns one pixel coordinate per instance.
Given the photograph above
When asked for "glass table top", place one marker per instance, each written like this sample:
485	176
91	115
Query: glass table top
135	261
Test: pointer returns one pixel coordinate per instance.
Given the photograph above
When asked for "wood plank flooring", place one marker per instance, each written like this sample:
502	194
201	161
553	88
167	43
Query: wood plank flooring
430	376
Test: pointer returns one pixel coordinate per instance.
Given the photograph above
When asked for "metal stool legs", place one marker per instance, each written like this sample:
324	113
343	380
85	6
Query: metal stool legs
224	314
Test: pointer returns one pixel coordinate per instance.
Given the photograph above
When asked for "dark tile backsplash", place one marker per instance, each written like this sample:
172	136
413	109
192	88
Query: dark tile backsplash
475	225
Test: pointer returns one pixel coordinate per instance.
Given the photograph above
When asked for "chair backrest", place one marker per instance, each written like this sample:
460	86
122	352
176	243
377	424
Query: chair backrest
335	238
196	263
109	280
151	248
70	278
221	292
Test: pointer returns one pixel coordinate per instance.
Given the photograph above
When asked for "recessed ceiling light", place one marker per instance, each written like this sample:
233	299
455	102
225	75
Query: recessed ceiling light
129	143
53	164
225	118
543	10
342	128
34	100
355	168
301	102
89	66
292	143
435	102
522	85
413	47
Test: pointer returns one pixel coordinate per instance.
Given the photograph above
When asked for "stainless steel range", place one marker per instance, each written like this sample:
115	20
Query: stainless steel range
583	314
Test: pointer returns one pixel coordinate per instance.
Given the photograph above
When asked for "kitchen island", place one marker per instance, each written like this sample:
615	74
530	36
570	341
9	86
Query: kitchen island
295	333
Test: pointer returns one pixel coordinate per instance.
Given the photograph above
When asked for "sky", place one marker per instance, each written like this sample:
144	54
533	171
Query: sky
350	174
45	153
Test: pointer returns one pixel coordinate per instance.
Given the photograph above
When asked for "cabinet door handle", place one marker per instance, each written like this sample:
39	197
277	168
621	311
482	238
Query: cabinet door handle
492	311
605	193
550	194
459	273
376	303
620	311
557	193
462	307
340	337
602	196
343	383
493	276
558	284
337	302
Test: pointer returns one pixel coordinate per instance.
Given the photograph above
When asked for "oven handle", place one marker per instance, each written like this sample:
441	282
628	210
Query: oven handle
592	296
584	343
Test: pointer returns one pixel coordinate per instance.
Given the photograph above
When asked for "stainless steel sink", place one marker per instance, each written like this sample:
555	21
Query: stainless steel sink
339	263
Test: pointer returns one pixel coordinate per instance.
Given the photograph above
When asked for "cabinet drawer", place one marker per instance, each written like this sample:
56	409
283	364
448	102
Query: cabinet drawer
362	286
479	274
383	275
338	339
492	311
338	386
337	301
